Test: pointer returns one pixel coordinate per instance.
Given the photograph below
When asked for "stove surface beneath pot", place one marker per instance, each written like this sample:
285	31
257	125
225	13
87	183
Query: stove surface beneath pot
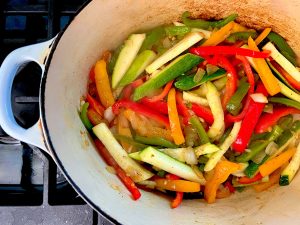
32	189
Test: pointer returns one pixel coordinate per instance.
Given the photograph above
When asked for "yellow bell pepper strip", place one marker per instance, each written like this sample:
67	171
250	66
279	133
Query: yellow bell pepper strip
264	72
273	179
240	28
220	35
103	85
262	35
221	173
273	164
176	131
177	185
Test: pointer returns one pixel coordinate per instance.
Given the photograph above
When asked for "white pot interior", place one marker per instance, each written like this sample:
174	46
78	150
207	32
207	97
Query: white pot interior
103	25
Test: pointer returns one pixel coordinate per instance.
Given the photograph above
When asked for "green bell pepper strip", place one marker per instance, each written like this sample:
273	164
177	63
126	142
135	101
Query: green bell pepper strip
258	146
235	103
84	118
241	36
157	141
204	24
177	30
130	141
153	37
285	101
186	83
200	130
261	136
283	47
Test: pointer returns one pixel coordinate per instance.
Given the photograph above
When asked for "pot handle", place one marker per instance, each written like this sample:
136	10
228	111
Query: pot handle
8	70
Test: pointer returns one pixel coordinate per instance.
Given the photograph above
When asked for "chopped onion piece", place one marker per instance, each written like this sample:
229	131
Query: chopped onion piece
259	97
210	69
178	24
199	75
148	183
190	156
240	173
108	114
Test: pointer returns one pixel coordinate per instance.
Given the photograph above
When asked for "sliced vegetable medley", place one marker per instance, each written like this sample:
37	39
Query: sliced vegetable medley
197	109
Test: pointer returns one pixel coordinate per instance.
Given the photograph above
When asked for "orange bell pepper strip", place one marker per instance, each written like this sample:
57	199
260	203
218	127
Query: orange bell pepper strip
103	85
178	185
273	179
262	35
220	35
221	173
264	72
273	164
176	131
163	94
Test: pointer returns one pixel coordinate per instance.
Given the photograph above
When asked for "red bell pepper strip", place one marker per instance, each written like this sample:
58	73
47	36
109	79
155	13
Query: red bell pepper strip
203	112
141	109
270	119
127	181
250	76
247	180
177	201
92	74
127	91
179	195
231	83
249	122
228	50
159	106
170	176
249	73
286	75
163	93
182	109
229	186
95	105
232	119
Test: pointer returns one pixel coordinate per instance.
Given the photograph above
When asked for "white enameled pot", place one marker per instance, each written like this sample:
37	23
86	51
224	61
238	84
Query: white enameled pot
67	59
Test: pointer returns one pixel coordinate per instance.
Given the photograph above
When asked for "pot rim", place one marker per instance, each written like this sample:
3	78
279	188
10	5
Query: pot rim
46	133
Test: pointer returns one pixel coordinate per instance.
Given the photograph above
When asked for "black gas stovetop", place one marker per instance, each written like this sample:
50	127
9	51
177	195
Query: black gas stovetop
32	189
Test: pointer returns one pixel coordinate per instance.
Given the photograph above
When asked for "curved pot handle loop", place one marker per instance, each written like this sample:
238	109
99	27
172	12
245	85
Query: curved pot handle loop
8	70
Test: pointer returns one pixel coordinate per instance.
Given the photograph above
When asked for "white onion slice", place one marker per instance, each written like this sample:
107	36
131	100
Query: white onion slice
259	97
108	114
